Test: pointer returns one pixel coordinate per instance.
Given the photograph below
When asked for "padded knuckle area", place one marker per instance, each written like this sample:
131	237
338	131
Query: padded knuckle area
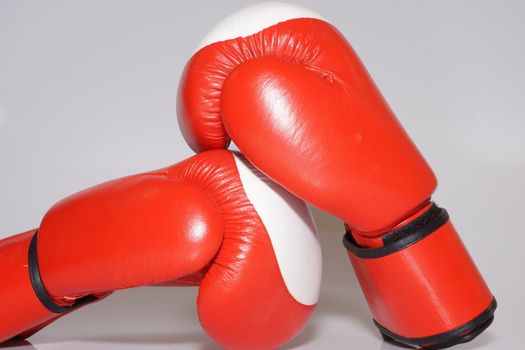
299	43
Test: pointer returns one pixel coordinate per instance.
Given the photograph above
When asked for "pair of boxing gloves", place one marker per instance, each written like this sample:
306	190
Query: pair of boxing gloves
288	89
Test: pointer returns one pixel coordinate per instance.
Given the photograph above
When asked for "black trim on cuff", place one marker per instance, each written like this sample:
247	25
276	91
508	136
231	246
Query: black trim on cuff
459	335
40	289
402	237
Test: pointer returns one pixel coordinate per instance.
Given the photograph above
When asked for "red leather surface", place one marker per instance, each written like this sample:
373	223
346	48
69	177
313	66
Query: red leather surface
189	221
136	231
302	90
429	288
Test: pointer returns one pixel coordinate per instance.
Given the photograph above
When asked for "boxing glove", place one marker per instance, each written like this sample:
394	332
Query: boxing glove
291	93
211	220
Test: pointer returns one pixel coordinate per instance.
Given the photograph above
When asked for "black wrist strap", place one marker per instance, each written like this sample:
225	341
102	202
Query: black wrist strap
403	237
40	289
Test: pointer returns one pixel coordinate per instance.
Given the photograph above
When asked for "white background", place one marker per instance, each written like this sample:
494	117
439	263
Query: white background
87	93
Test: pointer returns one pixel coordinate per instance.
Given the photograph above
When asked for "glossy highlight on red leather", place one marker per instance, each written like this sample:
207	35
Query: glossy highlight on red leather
301	88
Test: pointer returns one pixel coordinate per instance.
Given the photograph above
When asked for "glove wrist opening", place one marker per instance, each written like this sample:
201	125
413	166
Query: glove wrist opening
458	335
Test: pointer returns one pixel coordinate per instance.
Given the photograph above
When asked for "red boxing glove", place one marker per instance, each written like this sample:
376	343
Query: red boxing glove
211	220
289	90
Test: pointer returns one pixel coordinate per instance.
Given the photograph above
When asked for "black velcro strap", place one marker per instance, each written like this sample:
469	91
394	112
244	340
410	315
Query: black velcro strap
40	289
403	237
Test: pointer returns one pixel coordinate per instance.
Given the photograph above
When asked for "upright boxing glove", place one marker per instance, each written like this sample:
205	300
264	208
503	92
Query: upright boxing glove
211	220
291	93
